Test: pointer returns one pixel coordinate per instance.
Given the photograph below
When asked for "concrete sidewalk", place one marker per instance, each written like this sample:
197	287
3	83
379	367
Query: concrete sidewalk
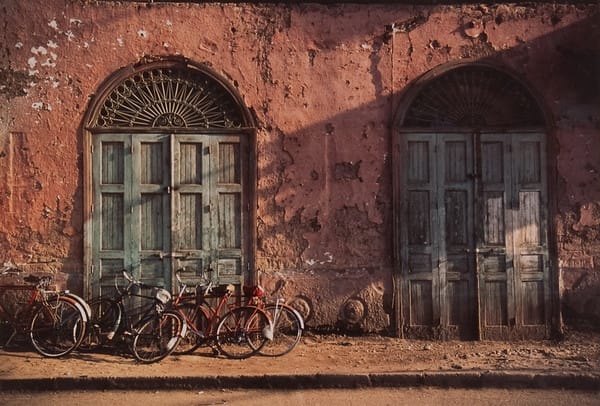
325	362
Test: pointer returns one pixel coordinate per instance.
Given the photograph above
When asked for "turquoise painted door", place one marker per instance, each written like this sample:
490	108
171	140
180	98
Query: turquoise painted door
164	202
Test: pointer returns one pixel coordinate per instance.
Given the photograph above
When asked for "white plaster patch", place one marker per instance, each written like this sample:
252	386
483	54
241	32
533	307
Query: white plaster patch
53	82
166	44
69	34
49	62
41	106
53	55
120	41
19	45
53	24
169	23
33	72
52	44
329	259
39	50
75	21
86	45
32	62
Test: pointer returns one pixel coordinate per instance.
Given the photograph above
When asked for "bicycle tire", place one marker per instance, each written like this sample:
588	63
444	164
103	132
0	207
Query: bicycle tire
237	328
106	316
196	335
287	331
57	328
158	336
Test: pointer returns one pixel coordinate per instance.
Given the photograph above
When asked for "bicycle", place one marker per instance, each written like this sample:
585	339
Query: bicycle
227	327
151	332
288	324
53	321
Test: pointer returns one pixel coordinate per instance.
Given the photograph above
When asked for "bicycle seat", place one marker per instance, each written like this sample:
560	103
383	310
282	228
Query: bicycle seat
35	280
253	291
32	279
223	290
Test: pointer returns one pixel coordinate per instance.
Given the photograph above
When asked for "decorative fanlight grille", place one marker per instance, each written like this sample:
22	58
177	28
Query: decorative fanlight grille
473	96
170	97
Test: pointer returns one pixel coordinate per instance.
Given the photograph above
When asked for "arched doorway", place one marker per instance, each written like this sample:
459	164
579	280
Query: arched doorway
168	178
471	208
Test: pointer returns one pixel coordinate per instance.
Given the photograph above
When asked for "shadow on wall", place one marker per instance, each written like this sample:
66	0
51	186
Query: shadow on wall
334	193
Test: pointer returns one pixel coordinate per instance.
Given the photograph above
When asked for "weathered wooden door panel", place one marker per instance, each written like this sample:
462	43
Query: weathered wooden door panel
455	197
530	238
150	209
494	241
110	197
191	230
420	276
229	207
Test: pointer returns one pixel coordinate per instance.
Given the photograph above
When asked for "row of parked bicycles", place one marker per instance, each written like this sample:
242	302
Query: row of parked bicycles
148	322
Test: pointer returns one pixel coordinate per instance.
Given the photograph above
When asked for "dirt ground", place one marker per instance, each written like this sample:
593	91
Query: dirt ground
329	354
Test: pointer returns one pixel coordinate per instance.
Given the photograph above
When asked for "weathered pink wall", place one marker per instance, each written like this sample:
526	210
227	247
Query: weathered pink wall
324	83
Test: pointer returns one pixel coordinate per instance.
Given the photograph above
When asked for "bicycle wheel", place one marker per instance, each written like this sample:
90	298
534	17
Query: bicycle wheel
57	327
103	325
158	336
196	332
287	331
237	328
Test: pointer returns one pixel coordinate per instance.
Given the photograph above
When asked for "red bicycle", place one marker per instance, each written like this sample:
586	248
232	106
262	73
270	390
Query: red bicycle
236	331
54	322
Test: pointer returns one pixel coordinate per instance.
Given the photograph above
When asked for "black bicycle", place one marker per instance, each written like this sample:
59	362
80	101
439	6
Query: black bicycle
136	315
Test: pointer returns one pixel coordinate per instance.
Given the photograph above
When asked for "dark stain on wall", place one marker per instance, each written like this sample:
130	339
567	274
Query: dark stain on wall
14	83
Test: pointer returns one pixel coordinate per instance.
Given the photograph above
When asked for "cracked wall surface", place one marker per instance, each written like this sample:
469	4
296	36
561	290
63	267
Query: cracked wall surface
323	83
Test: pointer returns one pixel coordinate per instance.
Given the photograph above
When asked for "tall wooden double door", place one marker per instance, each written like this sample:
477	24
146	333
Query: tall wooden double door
165	201
473	240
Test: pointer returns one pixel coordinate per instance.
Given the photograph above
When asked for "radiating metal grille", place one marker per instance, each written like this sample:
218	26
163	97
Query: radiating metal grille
473	96
170	97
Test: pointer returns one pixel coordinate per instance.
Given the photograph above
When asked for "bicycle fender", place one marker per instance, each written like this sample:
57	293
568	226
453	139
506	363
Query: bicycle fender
86	307
297	313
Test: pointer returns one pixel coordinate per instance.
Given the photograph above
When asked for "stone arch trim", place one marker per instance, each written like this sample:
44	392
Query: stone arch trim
167	93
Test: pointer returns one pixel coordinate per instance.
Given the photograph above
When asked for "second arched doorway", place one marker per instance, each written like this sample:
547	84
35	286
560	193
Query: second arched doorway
472	208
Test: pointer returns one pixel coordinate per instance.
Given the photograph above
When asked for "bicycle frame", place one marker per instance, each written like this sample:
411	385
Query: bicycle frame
124	325
210	312
218	316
